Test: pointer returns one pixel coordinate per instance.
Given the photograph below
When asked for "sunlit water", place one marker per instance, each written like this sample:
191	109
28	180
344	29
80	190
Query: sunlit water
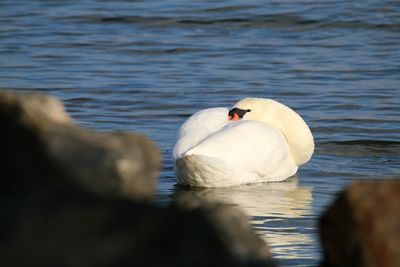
145	67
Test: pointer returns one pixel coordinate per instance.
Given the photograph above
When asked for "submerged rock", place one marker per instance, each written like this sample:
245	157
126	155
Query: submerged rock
39	141
362	227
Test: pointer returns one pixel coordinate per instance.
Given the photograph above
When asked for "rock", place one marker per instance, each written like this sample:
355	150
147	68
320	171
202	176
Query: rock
69	197
241	246
40	142
53	225
362	227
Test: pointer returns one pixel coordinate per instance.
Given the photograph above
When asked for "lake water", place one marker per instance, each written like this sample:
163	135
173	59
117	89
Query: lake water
146	66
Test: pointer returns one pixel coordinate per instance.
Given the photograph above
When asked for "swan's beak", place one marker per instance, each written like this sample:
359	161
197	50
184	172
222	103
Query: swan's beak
237	113
233	117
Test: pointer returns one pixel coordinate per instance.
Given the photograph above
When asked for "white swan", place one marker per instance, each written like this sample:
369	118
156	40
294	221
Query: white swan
258	140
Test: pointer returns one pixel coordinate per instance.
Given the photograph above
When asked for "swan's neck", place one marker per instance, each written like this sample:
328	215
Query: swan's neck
292	126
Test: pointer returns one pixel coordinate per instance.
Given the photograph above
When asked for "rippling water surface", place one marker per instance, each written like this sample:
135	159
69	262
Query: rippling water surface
146	66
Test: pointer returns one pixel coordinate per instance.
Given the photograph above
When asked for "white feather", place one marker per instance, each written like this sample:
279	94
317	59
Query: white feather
212	151
199	126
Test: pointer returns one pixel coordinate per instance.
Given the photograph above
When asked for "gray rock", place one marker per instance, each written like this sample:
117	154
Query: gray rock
39	141
362	227
61	225
68	197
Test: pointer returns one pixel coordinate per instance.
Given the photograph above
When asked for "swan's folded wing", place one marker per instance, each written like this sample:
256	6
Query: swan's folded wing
199	126
249	146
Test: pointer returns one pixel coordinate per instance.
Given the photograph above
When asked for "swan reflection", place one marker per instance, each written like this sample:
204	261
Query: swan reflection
276	210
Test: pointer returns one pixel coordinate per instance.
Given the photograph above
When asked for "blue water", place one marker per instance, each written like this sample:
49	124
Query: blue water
146	66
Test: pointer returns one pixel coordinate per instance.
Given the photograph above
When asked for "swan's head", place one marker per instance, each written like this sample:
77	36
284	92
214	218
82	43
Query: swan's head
249	109
281	117
237	113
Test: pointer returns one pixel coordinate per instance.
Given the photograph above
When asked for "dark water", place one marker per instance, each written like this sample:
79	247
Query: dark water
146	66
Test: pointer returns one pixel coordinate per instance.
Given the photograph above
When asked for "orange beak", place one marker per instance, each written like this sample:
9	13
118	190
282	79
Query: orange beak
234	117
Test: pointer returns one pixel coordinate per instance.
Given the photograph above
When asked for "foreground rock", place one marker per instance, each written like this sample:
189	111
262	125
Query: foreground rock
68	198
39	142
52	225
362	227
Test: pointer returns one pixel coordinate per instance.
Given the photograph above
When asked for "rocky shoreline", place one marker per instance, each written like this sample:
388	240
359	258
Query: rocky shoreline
76	197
